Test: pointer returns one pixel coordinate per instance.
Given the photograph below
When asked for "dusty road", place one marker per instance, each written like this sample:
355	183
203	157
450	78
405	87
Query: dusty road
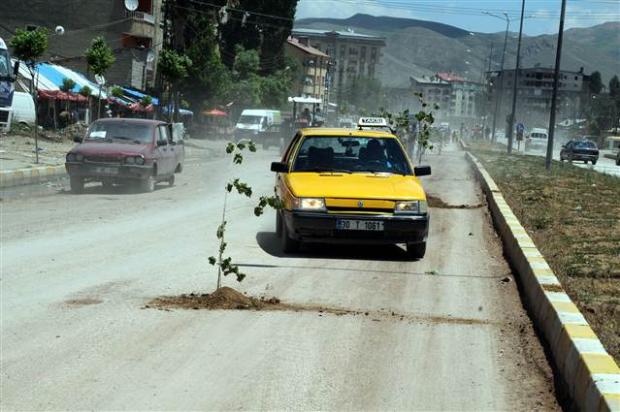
77	271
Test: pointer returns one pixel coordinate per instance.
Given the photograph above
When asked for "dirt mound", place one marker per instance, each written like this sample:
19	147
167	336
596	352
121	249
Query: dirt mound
223	298
438	203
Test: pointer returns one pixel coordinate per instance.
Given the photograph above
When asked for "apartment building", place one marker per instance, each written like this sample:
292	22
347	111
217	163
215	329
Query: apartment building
134	36
354	55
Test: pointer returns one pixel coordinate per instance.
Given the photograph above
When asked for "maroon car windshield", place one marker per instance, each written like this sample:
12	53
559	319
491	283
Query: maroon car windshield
132	132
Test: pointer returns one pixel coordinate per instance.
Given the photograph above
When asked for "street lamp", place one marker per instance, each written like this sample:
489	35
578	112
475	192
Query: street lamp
498	98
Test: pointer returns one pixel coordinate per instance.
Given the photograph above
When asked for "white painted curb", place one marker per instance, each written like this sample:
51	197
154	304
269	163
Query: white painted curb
30	175
591	375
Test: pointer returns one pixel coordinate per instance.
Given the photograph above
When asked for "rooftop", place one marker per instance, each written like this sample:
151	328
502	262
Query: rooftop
347	34
305	48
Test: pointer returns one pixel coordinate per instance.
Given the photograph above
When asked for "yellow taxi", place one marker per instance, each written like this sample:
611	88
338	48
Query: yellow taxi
350	186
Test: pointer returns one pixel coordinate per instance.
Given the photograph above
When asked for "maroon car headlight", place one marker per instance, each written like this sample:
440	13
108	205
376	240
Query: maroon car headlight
130	160
71	157
140	160
79	157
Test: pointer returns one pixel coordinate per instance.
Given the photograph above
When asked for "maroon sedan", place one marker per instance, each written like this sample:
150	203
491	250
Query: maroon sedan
125	151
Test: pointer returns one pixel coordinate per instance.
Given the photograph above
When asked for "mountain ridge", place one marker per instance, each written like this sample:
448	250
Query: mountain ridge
412	47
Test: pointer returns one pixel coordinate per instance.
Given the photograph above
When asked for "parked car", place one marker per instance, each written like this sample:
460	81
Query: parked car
582	149
22	109
119	150
618	158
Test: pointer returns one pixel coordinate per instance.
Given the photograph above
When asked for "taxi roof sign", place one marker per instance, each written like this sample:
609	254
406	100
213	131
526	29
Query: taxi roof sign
372	122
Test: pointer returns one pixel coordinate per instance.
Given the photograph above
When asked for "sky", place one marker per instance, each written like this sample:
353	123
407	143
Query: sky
542	16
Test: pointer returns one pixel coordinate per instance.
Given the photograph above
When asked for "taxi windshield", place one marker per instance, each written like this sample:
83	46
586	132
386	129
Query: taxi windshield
351	155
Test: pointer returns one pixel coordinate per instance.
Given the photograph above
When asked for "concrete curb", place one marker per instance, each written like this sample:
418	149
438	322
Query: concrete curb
591	377
30	175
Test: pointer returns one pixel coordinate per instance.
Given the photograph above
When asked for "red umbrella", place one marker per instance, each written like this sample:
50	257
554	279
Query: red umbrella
216	113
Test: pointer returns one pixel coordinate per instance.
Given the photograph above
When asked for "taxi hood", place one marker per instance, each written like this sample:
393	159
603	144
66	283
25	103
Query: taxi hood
355	186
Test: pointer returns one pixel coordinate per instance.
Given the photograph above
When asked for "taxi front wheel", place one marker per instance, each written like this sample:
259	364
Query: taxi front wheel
416	250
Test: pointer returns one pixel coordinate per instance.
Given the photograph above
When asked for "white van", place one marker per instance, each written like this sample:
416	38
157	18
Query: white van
259	125
537	139
23	109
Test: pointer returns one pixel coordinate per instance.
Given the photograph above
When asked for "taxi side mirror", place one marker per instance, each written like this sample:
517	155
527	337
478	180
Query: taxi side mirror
279	167
422	170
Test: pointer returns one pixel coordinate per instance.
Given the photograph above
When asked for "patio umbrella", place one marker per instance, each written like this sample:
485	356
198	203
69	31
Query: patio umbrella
216	113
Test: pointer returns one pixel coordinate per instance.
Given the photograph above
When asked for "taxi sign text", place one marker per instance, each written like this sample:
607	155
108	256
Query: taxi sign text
372	122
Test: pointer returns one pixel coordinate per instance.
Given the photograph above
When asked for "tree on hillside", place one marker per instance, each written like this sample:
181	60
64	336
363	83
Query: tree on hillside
173	67
28	46
208	78
596	84
257	24
99	58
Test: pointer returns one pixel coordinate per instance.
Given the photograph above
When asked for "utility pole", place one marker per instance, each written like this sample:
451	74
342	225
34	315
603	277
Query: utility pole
515	82
500	87
554	95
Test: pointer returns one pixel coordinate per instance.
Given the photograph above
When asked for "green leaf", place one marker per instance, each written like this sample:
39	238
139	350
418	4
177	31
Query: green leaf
230	148
212	260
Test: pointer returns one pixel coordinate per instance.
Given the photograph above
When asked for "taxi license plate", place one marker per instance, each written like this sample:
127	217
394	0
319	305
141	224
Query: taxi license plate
106	170
371	225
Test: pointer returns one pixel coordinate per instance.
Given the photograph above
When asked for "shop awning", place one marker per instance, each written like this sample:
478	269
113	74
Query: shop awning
139	95
50	77
60	95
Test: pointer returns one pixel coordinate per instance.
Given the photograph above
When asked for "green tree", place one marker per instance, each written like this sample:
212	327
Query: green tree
173	67
116	91
596	84
67	85
99	58
28	46
85	91
208	79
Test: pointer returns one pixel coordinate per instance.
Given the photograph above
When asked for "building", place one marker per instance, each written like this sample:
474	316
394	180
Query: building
456	97
313	80
354	55
134	36
534	89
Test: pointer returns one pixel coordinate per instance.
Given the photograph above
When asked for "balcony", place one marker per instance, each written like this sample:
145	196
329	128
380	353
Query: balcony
139	24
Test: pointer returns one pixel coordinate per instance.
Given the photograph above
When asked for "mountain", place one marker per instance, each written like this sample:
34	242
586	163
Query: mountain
419	47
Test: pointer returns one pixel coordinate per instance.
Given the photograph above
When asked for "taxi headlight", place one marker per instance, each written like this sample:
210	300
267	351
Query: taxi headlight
70	157
412	207
309	204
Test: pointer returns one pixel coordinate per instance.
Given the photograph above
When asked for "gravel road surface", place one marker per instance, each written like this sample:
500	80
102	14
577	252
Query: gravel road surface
77	271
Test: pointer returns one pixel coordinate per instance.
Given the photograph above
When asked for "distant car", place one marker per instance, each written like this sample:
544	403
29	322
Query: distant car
125	151
537	139
583	150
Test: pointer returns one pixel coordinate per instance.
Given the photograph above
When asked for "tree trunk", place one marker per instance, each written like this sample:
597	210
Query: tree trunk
33	93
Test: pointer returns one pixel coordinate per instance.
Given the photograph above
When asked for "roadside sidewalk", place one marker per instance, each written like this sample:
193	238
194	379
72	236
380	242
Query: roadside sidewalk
17	160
